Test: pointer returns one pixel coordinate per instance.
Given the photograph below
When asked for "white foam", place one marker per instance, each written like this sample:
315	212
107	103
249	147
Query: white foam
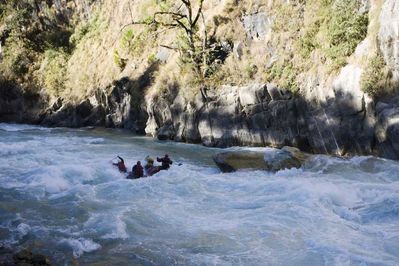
23	229
110	225
119	230
48	178
81	245
20	127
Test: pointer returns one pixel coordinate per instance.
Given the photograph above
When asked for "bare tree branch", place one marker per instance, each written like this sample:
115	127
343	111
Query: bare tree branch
169	47
185	17
199	12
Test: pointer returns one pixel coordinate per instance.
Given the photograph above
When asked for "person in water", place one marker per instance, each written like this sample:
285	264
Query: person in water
150	169
166	162
121	165
137	170
150	162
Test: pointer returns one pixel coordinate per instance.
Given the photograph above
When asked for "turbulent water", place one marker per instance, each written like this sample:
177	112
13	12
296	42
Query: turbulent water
60	196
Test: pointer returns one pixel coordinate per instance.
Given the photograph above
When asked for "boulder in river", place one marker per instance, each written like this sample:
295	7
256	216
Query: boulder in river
26	257
269	160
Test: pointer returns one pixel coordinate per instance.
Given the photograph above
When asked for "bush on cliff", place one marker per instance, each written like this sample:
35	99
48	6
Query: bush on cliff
52	74
374	78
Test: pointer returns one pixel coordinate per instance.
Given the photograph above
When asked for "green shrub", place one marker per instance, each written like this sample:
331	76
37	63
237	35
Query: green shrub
80	31
284	75
374	77
127	38
335	29
152	59
53	71
134	43
18	57
120	62
308	43
89	28
345	28
250	71
285	20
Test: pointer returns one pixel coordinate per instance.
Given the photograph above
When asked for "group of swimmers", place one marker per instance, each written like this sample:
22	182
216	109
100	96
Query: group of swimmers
149	168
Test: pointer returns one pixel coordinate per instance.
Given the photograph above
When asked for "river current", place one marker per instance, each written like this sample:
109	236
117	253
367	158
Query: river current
60	196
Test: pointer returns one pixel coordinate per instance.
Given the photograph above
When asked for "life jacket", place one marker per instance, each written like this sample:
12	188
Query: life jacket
166	162
122	167
138	171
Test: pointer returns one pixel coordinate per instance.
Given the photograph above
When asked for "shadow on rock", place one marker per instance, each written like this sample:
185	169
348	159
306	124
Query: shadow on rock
118	106
264	115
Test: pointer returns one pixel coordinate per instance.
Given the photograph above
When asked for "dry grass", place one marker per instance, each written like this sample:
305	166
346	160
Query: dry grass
294	50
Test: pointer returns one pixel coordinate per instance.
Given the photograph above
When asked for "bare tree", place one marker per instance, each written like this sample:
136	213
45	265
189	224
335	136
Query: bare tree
184	16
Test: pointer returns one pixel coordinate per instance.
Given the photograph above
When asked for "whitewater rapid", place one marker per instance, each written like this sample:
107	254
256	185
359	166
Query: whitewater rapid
60	196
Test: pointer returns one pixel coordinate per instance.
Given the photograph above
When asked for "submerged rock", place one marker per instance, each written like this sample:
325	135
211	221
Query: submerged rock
26	257
271	160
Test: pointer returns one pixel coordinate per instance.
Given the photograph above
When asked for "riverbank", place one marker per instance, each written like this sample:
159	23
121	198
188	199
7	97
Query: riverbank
257	115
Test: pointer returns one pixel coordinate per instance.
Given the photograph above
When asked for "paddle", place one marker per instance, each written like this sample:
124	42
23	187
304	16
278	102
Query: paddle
112	160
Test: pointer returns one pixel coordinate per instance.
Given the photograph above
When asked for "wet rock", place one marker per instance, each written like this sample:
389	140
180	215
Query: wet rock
270	160
26	257
23	255
286	158
233	161
6	256
38	259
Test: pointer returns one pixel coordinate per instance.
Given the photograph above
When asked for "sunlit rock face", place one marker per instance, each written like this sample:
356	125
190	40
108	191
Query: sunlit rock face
387	130
257	25
265	115
389	35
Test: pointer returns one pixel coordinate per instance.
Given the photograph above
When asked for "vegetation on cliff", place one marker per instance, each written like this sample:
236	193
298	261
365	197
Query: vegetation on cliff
71	48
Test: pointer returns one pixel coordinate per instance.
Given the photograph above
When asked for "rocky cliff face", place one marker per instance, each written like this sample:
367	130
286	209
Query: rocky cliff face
328	116
330	113
255	115
263	115
19	106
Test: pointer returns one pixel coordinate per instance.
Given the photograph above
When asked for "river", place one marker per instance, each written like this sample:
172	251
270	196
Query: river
60	196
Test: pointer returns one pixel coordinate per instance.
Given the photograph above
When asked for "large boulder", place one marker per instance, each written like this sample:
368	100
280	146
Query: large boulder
236	160
286	158
269	160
